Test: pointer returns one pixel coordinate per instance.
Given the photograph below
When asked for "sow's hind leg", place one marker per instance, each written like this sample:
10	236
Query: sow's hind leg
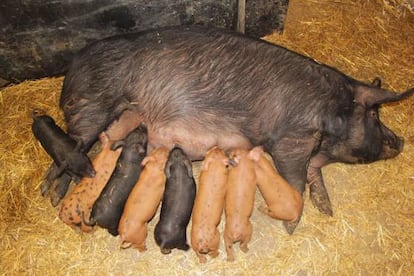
291	156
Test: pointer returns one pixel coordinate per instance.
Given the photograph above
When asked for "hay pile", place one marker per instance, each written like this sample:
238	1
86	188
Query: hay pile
373	225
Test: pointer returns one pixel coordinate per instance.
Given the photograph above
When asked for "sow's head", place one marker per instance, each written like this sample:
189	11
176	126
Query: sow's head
368	139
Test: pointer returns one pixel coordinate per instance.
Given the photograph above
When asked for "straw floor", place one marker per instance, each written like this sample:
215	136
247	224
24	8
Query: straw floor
371	232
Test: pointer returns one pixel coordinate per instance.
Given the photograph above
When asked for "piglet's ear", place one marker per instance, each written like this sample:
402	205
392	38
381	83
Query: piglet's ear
167	169
256	153
189	167
147	159
370	96
117	144
205	164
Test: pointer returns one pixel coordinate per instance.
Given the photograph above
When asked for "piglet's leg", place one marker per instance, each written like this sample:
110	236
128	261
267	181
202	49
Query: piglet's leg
201	257
141	248
265	210
48	181
213	253
60	187
228	243
56	177
243	246
214	246
55	186
125	245
246	239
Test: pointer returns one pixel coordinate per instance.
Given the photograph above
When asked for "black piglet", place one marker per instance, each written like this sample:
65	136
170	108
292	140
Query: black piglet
177	203
65	151
107	209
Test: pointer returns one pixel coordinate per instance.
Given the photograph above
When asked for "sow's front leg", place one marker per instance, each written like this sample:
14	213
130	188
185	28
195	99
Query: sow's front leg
291	156
317	190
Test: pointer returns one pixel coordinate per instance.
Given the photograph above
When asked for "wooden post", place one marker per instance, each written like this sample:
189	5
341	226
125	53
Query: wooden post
241	16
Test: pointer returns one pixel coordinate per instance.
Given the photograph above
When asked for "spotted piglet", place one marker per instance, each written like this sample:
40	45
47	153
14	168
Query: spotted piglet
239	201
283	201
143	201
78	205
209	203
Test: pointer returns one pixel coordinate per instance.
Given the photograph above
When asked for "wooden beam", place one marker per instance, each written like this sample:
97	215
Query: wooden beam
241	16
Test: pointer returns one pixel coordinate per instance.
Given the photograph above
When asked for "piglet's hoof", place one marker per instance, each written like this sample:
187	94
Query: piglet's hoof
165	251
213	253
47	179
125	245
243	247
45	186
230	258
54	199
202	258
59	189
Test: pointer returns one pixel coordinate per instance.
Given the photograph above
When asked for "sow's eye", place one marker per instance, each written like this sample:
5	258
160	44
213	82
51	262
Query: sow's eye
372	113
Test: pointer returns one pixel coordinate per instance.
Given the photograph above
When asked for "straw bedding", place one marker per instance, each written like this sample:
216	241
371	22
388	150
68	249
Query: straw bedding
373	225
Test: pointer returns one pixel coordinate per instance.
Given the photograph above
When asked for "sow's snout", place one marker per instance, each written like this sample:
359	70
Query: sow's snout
392	145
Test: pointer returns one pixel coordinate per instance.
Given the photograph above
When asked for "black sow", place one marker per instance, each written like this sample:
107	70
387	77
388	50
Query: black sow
201	87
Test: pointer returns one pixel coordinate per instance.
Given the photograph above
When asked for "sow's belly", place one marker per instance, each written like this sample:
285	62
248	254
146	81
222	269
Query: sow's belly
195	143
192	137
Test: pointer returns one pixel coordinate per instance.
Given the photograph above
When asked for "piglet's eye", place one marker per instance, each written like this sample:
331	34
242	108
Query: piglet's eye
372	113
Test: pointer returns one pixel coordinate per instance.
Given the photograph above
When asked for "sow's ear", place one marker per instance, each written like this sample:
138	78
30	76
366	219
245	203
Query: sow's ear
370	95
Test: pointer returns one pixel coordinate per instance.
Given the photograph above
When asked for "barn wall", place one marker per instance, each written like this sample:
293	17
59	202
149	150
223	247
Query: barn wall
38	38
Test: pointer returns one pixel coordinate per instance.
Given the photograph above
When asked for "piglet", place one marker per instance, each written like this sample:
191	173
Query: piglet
108	208
177	203
239	201
283	201
143	201
78	204
209	203
64	150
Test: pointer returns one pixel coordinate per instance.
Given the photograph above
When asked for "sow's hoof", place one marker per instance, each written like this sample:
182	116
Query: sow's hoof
320	199
291	226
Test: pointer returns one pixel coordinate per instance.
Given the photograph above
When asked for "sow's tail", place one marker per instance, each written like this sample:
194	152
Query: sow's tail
371	95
